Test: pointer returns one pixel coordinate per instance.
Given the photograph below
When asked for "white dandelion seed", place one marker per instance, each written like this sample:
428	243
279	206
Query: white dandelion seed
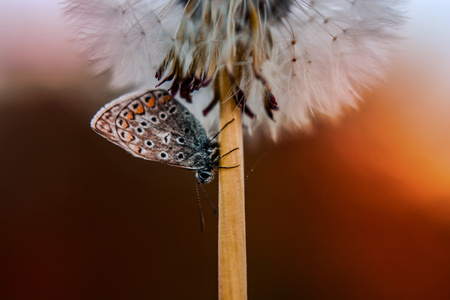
287	60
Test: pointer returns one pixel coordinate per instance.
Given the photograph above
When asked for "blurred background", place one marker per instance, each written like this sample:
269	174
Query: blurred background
359	209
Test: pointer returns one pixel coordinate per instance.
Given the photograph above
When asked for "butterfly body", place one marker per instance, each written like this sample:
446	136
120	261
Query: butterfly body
154	126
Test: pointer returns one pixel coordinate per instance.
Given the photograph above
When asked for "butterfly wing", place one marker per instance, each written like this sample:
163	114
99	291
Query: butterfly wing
154	126
104	120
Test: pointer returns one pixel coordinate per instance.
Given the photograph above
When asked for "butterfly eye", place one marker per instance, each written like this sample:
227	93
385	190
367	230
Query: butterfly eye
149	143
163	155
180	155
144	124
173	109
186	130
163	116
181	140
204	177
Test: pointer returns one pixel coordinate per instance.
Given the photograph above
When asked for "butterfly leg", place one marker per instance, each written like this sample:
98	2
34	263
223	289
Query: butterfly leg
228	167
217	161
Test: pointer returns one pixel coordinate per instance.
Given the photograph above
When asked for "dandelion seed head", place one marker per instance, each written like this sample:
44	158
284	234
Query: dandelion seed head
287	60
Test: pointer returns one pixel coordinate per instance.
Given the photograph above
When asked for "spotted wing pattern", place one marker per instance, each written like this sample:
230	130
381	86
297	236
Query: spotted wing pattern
154	126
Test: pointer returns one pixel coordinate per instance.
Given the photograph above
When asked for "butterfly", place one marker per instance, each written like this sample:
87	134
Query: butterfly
154	126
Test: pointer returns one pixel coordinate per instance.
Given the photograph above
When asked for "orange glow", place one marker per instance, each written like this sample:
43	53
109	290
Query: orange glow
402	133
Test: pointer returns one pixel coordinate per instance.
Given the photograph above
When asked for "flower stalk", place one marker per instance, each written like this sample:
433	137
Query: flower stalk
232	242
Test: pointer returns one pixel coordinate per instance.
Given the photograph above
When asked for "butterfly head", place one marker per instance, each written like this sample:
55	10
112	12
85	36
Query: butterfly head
209	162
204	176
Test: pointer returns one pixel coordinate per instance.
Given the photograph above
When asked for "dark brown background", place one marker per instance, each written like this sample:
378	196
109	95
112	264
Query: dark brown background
357	210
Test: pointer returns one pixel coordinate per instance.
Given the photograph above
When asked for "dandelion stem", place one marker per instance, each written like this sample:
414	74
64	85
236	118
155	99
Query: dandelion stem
232	244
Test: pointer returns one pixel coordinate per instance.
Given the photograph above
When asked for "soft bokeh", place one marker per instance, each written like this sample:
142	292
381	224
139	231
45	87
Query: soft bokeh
292	57
359	209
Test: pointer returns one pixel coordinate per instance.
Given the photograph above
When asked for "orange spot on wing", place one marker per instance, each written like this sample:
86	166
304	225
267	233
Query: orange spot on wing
139	109
137	149
151	102
122	123
165	98
129	137
129	116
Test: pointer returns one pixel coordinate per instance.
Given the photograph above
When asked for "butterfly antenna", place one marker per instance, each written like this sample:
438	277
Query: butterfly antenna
202	221
209	199
221	130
